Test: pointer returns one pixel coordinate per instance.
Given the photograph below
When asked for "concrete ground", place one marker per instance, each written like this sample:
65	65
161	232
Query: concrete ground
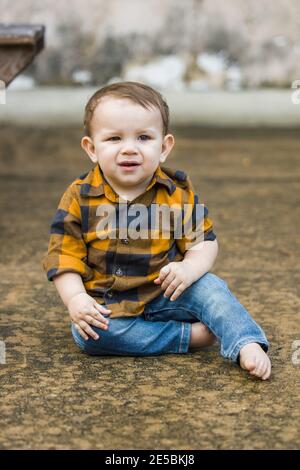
55	397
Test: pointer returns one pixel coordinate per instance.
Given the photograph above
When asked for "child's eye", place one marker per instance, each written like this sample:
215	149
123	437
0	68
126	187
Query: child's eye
114	138
144	137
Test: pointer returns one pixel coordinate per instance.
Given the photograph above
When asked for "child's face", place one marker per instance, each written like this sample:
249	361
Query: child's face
127	142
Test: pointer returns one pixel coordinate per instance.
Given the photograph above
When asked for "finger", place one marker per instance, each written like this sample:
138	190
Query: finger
95	322
171	288
87	329
178	292
81	332
164	272
168	280
102	309
99	316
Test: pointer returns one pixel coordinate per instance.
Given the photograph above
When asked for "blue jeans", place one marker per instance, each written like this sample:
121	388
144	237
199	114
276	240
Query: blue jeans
165	326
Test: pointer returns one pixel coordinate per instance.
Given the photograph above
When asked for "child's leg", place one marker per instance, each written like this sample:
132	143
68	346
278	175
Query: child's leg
201	336
135	336
210	301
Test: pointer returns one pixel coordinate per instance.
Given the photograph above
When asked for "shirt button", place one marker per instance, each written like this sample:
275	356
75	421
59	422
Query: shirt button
125	241
119	272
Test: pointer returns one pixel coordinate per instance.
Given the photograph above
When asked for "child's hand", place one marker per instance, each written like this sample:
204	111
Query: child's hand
85	311
175	277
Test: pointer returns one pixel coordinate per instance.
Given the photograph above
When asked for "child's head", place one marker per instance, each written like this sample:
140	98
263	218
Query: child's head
127	132
137	93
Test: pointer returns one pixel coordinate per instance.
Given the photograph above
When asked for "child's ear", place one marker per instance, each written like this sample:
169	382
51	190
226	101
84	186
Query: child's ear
89	147
166	147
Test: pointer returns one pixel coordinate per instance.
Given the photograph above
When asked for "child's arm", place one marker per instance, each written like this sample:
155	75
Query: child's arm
201	258
83	309
175	277
65	264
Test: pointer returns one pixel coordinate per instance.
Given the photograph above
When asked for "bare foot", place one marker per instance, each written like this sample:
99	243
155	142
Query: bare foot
201	336
255	361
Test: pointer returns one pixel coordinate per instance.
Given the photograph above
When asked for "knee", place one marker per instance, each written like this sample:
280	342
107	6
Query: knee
89	346
211	283
118	339
212	290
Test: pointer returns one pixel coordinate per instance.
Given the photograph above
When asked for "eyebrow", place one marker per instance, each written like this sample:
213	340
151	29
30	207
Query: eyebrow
116	131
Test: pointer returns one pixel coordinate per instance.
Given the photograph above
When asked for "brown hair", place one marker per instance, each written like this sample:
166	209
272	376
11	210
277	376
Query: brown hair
134	91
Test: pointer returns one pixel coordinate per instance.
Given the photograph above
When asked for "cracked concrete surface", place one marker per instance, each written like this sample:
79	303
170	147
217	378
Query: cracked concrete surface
55	397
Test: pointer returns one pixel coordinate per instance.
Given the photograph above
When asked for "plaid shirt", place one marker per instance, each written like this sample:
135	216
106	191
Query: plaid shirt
118	272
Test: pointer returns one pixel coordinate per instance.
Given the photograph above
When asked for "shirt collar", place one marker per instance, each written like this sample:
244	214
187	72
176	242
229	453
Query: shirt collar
94	183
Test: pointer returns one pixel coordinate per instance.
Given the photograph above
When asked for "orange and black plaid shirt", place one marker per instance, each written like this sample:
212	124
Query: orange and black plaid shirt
119	272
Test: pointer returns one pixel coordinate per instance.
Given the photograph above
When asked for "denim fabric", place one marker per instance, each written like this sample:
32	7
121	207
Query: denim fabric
165	325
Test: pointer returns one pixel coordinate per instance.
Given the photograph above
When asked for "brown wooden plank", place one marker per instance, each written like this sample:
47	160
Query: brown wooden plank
21	34
19	44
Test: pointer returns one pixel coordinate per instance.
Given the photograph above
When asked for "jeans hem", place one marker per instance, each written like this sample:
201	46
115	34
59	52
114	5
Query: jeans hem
236	350
185	337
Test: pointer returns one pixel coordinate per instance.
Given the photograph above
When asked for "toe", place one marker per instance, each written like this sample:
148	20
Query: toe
263	369
250	365
260	369
268	372
257	369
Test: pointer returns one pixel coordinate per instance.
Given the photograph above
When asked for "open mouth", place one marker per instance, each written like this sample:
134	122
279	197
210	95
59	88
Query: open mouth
129	164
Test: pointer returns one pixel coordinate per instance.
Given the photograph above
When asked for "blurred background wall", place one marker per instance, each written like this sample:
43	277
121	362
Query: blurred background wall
172	44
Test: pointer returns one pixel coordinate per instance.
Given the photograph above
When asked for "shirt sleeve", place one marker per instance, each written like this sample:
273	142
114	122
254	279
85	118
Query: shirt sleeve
194	226
67	251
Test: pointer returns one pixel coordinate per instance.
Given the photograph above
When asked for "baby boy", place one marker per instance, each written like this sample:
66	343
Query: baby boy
133	285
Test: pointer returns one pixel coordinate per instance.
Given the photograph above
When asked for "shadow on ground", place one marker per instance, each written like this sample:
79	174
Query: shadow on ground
55	397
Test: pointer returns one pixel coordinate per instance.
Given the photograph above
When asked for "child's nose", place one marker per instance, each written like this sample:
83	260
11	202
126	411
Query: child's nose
129	146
